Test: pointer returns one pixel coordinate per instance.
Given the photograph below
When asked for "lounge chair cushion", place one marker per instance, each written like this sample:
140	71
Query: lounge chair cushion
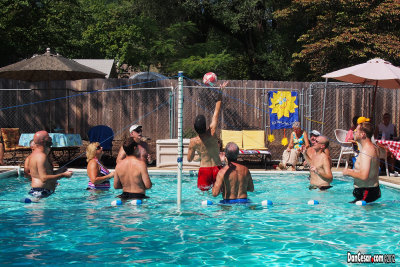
254	139
231	136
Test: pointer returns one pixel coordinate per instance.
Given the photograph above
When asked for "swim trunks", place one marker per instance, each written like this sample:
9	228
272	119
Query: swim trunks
40	192
127	195
368	194
103	172
235	201
322	188
206	177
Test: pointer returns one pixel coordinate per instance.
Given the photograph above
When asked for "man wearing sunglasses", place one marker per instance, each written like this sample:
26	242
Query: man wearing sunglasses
320	165
44	179
136	134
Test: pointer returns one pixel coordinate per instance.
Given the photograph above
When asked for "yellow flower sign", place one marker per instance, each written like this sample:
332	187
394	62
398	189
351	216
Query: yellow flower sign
283	103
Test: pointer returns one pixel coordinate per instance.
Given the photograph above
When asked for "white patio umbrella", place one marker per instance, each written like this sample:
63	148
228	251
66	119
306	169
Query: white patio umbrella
377	72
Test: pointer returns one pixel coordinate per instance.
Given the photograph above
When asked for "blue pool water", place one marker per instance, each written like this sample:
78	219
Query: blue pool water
75	226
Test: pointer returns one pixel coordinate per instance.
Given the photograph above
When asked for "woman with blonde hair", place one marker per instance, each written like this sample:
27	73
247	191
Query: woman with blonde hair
98	174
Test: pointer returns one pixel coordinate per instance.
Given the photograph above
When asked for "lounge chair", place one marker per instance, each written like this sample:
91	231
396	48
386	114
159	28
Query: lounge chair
250	143
10	138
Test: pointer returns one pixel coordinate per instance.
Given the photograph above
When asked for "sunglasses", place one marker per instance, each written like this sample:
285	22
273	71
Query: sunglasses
98	147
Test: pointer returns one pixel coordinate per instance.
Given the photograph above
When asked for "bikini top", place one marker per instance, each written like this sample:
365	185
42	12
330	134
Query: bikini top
298	142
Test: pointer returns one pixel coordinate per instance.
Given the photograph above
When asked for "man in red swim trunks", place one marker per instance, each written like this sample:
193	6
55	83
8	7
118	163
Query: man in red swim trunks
206	145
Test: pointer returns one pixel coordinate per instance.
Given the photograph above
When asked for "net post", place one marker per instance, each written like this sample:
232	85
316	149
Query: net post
180	137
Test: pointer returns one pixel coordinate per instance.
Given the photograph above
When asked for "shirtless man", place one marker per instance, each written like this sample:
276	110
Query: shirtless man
131	173
136	134
234	180
320	165
366	169
206	145
313	137
27	171
44	179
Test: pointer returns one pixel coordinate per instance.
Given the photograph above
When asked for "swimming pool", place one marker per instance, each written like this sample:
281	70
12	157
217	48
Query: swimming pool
75	226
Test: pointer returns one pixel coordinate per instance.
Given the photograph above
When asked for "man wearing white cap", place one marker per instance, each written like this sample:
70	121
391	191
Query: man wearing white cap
136	133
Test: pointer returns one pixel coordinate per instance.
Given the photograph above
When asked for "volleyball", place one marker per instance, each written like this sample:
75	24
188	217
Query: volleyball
210	78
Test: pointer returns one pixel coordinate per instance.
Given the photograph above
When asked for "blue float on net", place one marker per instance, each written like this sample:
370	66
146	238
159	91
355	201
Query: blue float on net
25	200
361	203
313	202
266	203
206	203
136	202
117	202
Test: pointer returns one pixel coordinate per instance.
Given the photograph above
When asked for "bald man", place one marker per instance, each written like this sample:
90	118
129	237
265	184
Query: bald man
44	179
320	165
234	180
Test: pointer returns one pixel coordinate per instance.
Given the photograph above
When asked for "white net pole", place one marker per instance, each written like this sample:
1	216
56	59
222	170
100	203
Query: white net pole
180	136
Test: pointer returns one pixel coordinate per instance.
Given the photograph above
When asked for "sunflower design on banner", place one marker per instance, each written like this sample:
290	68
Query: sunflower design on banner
283	109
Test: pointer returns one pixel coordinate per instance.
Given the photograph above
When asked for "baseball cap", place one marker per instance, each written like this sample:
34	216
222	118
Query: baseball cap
315	133
134	127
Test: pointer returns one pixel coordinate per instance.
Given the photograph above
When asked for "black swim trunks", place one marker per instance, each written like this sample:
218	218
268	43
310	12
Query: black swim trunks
127	195
40	192
322	188
368	194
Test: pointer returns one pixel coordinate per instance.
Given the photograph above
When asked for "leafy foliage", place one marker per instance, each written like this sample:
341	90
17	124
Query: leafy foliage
237	39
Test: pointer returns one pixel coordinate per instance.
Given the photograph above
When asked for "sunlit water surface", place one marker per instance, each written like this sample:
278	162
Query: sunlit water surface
76	226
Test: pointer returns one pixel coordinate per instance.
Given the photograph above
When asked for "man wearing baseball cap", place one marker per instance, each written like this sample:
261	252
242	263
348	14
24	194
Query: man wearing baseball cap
135	132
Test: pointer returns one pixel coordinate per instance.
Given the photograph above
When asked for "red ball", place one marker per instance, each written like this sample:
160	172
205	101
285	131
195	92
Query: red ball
210	78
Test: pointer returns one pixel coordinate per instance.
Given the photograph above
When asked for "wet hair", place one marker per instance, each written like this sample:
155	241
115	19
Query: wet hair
355	118
367	128
231	151
130	147
200	124
91	150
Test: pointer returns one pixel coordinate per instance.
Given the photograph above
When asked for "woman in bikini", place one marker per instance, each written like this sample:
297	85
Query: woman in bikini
98	174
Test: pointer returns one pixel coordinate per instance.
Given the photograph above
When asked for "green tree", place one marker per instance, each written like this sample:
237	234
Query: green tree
337	34
28	27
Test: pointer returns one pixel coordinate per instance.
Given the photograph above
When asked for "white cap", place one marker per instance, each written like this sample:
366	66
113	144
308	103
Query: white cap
315	132
134	127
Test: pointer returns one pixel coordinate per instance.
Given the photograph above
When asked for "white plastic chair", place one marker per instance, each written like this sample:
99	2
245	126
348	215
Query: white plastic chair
346	148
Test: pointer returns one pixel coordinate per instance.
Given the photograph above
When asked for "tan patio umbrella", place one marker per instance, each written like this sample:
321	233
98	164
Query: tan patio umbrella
48	67
377	72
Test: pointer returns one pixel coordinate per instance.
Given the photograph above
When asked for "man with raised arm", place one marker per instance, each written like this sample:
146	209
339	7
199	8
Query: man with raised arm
131	173
44	179
234	180
135	132
366	168
206	145
320	165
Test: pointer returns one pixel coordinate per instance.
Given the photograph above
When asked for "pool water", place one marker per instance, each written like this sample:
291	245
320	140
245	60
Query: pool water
76	226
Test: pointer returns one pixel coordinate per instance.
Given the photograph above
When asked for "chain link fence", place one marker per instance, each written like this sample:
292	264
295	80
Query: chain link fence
75	107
